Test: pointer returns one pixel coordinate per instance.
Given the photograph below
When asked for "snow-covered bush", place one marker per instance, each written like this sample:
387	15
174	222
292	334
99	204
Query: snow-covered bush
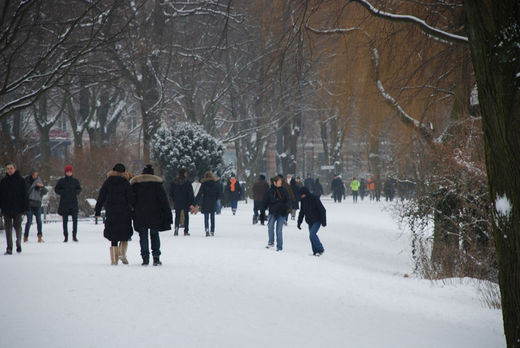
187	146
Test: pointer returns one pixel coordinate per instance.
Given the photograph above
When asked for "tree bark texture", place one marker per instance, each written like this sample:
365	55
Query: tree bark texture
494	35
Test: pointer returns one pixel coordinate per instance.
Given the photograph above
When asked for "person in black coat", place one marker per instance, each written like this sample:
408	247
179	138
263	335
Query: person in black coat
315	216
296	184
338	188
317	188
117	197
151	212
181	193
207	199
68	188
234	192
259	189
13	202
277	200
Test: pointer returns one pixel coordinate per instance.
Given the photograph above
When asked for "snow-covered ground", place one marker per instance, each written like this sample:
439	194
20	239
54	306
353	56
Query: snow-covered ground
229	291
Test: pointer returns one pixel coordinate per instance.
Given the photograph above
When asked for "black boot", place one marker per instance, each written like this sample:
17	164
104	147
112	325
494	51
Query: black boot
207	232
146	260
66	238
156	261
176	231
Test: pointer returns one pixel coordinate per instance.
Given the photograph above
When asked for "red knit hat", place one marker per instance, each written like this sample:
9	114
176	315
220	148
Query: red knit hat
68	169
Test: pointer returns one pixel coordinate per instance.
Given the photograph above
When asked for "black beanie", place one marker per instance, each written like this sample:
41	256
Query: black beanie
148	169
119	168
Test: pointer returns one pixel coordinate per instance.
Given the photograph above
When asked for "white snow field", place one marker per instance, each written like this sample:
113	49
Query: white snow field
229	291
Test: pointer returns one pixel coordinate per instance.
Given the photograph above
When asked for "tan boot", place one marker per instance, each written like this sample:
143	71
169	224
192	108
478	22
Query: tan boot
40	239
123	247
114	257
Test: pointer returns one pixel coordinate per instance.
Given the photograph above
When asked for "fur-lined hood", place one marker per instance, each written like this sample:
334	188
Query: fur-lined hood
145	178
208	179
126	175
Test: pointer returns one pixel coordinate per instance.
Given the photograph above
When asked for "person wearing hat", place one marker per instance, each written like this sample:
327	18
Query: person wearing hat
151	212
35	190
68	188
117	197
13	202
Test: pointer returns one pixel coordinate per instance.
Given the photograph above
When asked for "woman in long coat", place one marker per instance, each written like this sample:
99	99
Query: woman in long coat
151	212
207	198
117	197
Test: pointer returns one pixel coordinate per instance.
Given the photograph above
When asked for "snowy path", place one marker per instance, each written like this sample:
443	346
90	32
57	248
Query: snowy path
229	291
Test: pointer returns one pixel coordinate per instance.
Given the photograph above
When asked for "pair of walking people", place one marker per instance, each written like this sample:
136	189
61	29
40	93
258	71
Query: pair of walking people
277	200
141	199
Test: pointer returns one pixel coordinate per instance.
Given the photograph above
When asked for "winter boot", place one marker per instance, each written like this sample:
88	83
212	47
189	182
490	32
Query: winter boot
40	239
114	257
207	232
66	238
146	260
123	247
176	232
25	239
186	233
156	261
74	238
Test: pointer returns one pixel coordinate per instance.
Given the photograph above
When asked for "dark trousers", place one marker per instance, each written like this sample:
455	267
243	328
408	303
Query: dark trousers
74	223
354	196
178	213
13	220
207	217
143	241
33	211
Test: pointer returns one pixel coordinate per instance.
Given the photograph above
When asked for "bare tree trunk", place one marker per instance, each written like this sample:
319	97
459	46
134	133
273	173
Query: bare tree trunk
493	29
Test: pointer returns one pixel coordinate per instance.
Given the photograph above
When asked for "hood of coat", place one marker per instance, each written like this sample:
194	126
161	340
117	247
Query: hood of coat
125	175
207	179
145	178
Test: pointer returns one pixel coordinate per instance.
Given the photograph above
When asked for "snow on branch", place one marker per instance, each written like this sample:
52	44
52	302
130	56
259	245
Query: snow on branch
441	34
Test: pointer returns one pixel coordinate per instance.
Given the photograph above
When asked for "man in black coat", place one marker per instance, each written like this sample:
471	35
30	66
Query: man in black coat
181	193
151	212
315	216
309	182
259	189
13	202
68	188
338	188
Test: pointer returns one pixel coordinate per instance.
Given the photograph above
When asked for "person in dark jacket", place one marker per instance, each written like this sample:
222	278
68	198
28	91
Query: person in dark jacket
259	189
233	192
181	193
221	189
207	199
276	199
117	197
35	190
287	186
296	184
338	188
68	188
315	216
309	182
13	202
317	188
151	212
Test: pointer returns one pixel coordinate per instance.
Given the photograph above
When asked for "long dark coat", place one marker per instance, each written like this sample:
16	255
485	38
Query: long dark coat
181	193
276	199
68	188
259	189
233	195
117	197
13	194
151	207
208	194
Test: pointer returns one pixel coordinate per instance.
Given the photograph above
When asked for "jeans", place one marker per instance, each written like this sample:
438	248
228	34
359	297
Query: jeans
143	241
219	206
279	220
354	196
13	220
74	223
178	213
313	236
36	211
208	216
233	204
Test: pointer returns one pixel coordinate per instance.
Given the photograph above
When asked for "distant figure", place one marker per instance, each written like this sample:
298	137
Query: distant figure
309	182
354	186
13	202
276	199
181	193
117	197
317	188
68	188
233	191
362	188
196	186
259	189
207	199
389	189
371	186
36	190
221	189
315	216
296	185
152	213
286	185
338	188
